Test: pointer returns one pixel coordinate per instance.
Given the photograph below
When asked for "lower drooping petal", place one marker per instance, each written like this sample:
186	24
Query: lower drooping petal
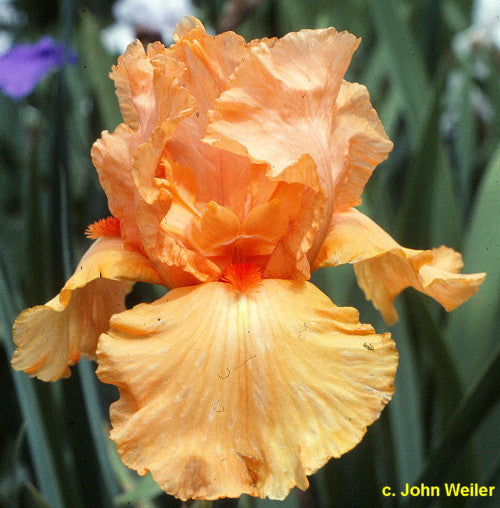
435	273
224	393
53	336
384	268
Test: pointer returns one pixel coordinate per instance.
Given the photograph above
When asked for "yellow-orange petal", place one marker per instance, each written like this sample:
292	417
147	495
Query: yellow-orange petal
384	268
177	264
186	26
210	61
172	101
264	227
383	278
224	393
53	336
305	202
165	212
353	237
267	221
148	87
280	106
280	102
108	258
150	94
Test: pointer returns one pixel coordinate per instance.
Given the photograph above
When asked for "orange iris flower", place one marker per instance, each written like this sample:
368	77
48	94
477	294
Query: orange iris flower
235	173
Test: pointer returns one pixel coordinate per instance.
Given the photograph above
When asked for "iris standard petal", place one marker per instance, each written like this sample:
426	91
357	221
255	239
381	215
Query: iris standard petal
112	156
358	144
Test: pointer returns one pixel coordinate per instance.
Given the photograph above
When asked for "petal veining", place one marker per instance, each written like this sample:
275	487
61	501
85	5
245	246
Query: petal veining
224	392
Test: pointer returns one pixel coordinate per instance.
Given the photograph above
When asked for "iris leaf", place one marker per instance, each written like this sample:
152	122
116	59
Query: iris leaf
423	213
478	402
97	63
471	328
405	414
405	63
144	489
93	408
41	453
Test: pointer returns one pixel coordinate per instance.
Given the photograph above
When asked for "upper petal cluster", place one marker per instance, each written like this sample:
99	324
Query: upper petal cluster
220	135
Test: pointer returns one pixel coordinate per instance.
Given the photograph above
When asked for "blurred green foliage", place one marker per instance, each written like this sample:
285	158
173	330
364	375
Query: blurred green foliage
440	186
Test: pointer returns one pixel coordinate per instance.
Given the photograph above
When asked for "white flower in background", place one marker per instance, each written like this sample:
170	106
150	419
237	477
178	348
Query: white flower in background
486	19
9	18
484	30
116	37
5	41
8	14
471	48
138	17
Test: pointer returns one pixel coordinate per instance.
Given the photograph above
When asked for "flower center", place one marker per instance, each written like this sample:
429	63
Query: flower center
244	277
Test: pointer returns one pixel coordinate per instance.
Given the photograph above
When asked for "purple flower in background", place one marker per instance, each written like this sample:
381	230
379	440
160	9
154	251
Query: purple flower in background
24	65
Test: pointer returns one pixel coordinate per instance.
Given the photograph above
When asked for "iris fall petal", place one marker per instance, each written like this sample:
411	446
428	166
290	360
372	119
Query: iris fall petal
224	393
384	268
53	336
435	273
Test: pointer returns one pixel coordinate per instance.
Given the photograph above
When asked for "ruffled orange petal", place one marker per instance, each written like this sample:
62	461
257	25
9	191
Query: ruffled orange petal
112	156
134	85
304	200
165	211
384	268
435	273
148	87
358	144
280	104
177	264
353	237
264	227
224	393
53	336
209	62
150	94
172	101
